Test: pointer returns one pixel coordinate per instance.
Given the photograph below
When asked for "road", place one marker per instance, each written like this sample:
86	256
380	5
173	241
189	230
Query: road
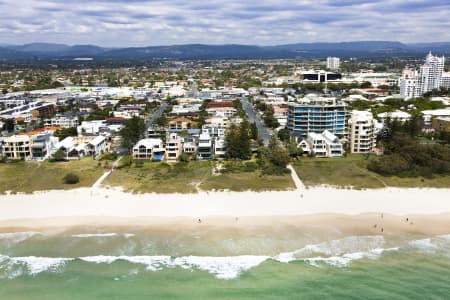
158	113
263	132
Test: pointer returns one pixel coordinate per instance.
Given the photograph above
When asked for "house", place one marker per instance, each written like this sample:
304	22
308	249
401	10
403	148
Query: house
398	115
67	145
219	148
182	123
317	144
333	145
174	147
62	120
225	112
17	147
324	144
97	146
441	124
149	149
304	145
43	145
205	146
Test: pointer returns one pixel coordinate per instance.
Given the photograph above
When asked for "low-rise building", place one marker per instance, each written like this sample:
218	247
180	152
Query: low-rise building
17	147
205	146
149	149
182	123
398	115
62	120
324	144
441	124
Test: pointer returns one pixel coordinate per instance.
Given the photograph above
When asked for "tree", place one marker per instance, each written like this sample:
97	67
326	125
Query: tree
253	131
65	132
280	156
9	124
132	131
237	141
59	156
284	135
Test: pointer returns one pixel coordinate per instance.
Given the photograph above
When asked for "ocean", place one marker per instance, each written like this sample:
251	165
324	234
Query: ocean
283	263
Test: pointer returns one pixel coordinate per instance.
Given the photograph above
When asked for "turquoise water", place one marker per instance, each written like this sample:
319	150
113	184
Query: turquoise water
100	263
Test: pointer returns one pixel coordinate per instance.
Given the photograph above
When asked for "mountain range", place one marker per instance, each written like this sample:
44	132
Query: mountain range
49	51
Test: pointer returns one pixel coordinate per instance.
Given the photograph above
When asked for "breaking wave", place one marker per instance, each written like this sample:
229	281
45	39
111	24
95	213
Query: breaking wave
336	253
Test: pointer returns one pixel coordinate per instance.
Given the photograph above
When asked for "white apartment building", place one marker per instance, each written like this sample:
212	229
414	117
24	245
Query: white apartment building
174	147
431	73
17	147
409	87
333	63
445	80
64	121
362	132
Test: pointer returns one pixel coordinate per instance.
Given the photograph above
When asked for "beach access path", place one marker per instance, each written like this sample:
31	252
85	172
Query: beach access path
106	174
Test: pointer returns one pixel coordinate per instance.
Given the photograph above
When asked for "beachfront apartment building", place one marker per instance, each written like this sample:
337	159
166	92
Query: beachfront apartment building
205	147
316	115
174	147
17	147
362	132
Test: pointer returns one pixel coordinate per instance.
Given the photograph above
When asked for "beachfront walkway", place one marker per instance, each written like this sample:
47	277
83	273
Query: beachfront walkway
106	174
298	183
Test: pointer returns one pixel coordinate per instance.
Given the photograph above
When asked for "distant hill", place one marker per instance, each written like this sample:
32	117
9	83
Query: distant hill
232	51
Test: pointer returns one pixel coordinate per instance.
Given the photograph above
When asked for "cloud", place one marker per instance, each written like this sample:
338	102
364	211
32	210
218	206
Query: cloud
265	22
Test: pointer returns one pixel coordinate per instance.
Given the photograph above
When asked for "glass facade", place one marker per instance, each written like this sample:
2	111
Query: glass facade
305	118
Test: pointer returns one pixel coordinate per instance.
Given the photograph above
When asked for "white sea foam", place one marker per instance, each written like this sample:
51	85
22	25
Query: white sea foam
112	234
88	235
37	265
228	267
99	259
221	267
333	248
338	253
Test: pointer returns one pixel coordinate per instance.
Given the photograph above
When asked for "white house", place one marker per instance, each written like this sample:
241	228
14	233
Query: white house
324	144
149	149
398	115
97	146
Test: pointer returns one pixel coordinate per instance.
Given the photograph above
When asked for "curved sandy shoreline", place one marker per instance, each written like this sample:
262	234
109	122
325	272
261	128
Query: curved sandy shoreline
101	202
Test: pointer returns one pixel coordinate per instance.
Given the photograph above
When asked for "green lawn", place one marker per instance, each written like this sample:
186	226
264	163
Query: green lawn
351	171
28	177
190	177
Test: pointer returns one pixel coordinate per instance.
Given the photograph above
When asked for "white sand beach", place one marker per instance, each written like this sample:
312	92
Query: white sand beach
101	202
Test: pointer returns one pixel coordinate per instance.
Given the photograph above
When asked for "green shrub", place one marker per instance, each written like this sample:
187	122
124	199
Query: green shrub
108	156
71	178
125	162
275	170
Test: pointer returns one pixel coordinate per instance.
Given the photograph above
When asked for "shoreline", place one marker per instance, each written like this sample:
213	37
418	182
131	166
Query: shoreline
98	203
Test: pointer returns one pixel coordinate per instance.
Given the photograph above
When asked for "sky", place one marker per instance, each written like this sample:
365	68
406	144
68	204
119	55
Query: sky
126	23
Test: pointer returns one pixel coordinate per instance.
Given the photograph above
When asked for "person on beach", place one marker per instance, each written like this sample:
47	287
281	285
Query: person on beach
199	220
